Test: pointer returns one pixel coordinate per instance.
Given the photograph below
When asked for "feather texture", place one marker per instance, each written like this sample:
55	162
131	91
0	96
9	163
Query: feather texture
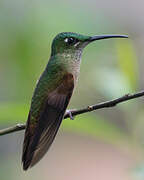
40	134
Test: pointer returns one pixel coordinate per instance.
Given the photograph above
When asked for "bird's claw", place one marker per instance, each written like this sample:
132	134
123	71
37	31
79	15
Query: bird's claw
69	112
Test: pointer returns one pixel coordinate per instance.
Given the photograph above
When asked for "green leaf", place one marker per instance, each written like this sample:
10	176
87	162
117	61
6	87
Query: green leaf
13	113
127	61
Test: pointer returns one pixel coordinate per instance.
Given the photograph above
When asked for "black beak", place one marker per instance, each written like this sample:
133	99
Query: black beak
106	36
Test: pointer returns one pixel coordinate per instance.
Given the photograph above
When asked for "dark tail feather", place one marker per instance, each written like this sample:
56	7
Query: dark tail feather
44	135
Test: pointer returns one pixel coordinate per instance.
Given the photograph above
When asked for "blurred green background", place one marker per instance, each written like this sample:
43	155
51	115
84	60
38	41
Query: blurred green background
106	144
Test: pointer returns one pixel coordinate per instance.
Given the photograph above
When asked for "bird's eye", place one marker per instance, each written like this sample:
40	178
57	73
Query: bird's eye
70	40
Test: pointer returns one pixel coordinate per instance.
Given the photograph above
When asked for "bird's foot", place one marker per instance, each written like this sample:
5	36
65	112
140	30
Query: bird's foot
69	113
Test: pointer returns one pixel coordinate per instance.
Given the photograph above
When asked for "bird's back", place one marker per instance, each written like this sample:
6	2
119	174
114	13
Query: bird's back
49	103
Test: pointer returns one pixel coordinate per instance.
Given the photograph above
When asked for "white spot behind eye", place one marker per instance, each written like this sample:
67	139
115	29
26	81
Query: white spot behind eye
76	44
66	40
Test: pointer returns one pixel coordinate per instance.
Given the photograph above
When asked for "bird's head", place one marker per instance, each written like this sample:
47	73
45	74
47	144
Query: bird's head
68	42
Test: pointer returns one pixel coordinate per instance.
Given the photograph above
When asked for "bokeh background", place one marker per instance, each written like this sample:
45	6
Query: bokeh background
104	145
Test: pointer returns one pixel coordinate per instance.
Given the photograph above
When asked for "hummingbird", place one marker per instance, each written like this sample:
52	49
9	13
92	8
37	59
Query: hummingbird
53	93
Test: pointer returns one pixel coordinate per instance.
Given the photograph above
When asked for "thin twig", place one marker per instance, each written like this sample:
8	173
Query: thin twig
102	105
12	129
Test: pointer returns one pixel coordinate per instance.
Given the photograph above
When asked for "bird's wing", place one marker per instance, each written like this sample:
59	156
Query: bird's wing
39	136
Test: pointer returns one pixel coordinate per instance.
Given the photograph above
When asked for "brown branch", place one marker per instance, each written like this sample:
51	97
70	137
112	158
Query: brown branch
12	129
102	105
